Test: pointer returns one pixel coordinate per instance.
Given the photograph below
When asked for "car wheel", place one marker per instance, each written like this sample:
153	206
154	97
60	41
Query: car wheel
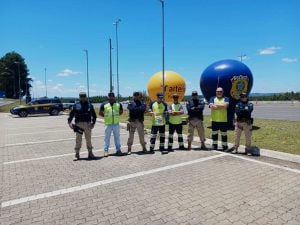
54	112
23	113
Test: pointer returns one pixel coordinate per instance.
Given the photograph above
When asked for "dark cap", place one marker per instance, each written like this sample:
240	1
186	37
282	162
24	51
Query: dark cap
194	93
243	94
82	95
136	93
111	94
175	95
160	95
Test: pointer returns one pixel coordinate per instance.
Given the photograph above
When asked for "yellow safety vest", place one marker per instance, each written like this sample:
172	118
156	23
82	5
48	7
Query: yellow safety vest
111	113
175	119
219	115
159	118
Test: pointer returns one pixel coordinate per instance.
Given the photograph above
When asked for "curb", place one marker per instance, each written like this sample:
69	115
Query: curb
263	152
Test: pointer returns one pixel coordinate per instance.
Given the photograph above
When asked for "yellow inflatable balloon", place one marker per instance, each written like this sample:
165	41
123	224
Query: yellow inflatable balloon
174	83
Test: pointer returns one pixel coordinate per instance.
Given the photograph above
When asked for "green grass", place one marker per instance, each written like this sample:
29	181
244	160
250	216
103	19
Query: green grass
6	108
278	135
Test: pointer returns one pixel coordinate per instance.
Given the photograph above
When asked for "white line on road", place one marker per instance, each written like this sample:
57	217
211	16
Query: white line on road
103	182
38	132
261	162
50	141
55	156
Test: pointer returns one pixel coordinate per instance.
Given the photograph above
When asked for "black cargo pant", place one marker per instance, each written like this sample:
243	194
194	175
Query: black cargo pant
154	131
172	129
223	127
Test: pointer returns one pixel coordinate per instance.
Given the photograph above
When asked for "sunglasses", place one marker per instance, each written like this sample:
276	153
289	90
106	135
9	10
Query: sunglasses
219	91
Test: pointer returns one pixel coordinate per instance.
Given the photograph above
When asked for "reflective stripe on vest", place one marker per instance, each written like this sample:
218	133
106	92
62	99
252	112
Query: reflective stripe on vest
111	113
159	118
175	119
219	115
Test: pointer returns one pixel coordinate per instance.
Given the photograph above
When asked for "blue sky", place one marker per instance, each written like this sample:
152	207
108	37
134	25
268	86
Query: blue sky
52	34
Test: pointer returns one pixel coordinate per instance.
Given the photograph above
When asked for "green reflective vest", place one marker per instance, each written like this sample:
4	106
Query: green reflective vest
175	119
219	115
158	119
111	113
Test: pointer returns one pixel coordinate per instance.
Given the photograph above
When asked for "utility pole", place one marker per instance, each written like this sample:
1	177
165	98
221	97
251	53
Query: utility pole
46	80
87	72
117	45
242	56
163	45
110	67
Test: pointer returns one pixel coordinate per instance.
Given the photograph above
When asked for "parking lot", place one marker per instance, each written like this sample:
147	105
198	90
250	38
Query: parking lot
41	184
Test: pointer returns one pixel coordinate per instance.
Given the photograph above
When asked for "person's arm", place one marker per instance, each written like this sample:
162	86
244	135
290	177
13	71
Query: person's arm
250	107
150	112
188	107
201	105
121	109
71	116
212	103
101	110
180	110
94	116
143	107
223	105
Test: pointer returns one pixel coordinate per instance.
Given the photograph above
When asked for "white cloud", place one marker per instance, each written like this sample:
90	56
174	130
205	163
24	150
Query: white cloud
269	51
58	87
68	72
289	60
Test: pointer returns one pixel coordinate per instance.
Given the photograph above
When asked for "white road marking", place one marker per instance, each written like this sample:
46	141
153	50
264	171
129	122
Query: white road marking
103	182
56	156
38	132
260	162
50	141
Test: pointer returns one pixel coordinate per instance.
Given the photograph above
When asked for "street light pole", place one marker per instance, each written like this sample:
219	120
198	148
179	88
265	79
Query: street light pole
46	81
163	45
242	56
117	45
110	67
87	72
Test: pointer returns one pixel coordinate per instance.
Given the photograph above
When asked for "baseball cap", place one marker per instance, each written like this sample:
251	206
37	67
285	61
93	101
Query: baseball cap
136	93
160	95
243	94
175	95
194	93
111	94
82	95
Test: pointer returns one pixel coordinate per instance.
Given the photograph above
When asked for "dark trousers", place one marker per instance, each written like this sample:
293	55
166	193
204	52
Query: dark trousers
172	129
223	127
154	131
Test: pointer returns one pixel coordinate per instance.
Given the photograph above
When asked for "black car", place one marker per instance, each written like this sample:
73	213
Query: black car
50	106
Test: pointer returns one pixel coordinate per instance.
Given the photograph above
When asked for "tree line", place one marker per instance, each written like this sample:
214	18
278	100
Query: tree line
14	76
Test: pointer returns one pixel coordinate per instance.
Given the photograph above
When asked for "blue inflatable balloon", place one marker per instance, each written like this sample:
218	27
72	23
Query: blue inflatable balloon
232	75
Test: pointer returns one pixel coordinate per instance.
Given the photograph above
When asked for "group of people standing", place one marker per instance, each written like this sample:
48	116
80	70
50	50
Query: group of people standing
161	115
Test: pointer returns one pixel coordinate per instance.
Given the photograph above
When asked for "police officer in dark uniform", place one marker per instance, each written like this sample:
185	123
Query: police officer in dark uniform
243	110
85	119
195	108
136	108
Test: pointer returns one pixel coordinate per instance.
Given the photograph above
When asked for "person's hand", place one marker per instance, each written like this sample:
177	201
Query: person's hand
214	106
92	125
70	125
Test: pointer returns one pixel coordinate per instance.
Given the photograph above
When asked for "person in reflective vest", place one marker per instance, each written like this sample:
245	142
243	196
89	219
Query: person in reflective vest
158	111
111	112
85	119
136	108
243	110
195	109
218	105
175	111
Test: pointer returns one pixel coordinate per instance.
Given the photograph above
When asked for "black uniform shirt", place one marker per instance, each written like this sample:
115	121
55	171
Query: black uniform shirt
136	110
195	108
83	112
243	110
